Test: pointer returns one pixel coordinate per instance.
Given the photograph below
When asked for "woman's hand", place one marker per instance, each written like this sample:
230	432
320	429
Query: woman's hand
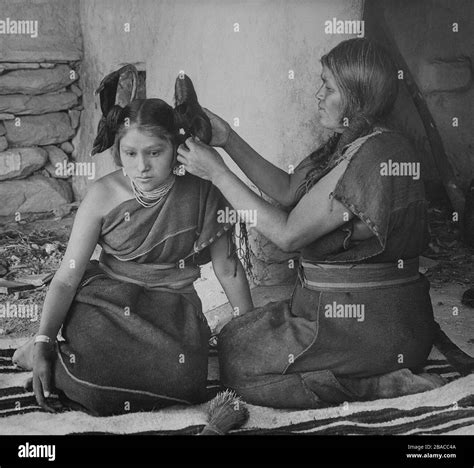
200	159
220	129
42	374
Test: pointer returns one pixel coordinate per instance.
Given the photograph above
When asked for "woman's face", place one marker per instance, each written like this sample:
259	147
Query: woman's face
146	159
330	102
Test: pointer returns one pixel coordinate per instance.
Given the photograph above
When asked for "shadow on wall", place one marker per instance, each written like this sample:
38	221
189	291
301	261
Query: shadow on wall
435	39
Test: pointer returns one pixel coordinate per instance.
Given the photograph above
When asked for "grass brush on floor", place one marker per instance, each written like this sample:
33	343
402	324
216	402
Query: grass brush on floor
226	411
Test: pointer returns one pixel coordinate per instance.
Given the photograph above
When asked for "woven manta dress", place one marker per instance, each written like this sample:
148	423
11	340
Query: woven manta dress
359	323
135	337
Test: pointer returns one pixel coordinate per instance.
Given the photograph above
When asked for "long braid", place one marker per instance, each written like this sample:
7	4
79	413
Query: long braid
324	159
318	160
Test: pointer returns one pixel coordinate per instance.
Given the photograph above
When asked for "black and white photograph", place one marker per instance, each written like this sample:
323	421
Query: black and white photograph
251	219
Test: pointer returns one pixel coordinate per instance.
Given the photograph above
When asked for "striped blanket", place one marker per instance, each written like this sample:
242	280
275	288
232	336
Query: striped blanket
446	410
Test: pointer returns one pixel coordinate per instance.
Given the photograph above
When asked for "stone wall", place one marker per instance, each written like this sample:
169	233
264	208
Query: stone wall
40	104
39	113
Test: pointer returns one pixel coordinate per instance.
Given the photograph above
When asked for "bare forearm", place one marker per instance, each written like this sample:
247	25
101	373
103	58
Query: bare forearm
266	176
270	220
237	291
55	308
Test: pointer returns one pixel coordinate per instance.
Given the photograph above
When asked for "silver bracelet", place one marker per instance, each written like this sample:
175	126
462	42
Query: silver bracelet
43	339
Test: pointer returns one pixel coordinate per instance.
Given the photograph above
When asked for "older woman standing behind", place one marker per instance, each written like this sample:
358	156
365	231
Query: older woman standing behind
360	318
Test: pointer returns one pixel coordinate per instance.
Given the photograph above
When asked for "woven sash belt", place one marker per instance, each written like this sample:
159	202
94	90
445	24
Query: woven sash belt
357	275
151	276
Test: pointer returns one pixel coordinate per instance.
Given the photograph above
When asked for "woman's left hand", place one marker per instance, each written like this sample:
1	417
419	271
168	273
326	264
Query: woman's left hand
200	159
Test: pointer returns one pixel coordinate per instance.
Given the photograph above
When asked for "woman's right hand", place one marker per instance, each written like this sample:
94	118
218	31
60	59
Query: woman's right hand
220	129
42	374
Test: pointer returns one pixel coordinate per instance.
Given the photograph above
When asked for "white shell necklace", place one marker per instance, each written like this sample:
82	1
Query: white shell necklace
153	197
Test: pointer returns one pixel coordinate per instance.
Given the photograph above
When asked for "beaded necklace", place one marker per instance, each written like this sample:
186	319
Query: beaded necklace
151	198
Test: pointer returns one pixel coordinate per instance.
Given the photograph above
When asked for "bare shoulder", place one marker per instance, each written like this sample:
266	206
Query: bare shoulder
112	181
106	193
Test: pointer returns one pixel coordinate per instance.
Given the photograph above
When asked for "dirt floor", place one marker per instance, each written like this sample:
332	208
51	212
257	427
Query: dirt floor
31	246
37	243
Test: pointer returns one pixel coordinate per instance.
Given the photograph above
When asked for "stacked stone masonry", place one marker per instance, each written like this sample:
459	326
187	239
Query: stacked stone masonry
40	110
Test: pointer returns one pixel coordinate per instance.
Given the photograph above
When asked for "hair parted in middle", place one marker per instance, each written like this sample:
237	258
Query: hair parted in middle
153	117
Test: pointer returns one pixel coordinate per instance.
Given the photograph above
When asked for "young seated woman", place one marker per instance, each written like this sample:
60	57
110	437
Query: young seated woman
133	333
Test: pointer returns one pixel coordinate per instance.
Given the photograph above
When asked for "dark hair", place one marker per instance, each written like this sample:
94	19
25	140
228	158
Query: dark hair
152	116
367	79
149	115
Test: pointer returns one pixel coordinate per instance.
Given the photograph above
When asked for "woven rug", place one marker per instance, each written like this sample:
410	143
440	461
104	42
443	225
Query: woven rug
446	410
